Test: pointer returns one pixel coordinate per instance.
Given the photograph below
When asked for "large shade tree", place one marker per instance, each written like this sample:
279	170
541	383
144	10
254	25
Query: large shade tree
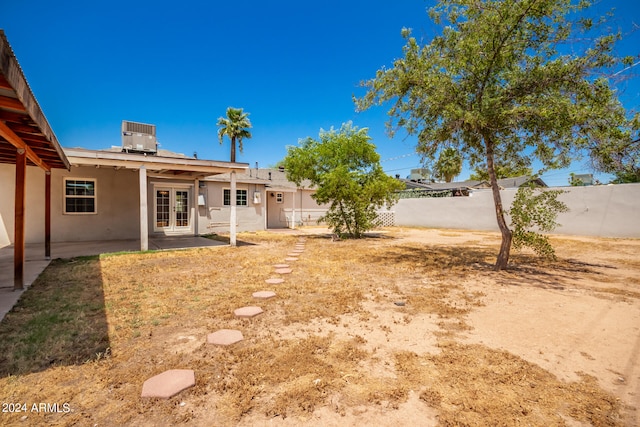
503	169
509	78
236	127
345	168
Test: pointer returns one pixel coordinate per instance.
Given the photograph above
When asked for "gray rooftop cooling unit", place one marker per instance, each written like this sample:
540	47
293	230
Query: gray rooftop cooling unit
139	138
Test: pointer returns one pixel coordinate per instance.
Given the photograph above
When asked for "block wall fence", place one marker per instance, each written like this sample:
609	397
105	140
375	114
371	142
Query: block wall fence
603	211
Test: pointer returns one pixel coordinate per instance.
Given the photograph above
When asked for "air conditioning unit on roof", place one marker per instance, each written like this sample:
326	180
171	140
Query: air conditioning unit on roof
139	138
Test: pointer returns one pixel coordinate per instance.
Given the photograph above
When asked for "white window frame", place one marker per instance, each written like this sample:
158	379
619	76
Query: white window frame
279	197
172	187
246	198
65	196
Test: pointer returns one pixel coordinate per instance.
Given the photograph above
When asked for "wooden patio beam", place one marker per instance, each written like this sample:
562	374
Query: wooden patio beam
16	141
11	103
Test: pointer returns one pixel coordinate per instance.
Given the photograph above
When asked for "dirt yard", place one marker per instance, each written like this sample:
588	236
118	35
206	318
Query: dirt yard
406	327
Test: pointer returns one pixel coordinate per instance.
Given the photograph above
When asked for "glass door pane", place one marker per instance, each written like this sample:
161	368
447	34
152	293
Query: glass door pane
181	208
162	208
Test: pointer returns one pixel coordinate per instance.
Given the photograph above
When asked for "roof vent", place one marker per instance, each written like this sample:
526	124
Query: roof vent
139	138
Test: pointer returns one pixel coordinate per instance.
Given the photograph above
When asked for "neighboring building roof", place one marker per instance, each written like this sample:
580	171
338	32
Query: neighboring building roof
22	122
472	184
165	163
273	179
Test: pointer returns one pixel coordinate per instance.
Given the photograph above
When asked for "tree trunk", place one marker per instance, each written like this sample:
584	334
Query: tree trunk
345	219
233	149
505	246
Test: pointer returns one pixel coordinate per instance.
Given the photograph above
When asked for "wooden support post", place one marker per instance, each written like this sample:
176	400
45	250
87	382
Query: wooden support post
21	172
144	218
47	214
233	212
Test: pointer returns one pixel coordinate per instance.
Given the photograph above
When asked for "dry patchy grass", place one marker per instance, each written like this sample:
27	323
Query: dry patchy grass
330	338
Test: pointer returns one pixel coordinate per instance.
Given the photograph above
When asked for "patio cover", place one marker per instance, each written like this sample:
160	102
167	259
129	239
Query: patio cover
25	139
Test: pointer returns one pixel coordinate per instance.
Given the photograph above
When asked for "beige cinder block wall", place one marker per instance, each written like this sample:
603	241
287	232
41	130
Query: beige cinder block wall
117	201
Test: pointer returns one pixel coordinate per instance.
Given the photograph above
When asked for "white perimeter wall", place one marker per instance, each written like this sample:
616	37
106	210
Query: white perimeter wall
605	211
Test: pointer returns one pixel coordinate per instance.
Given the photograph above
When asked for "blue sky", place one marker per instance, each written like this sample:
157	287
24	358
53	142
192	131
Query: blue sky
293	65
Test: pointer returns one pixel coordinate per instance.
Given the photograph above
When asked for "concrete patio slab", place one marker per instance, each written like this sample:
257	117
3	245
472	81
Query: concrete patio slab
264	294
274	281
248	312
169	383
225	337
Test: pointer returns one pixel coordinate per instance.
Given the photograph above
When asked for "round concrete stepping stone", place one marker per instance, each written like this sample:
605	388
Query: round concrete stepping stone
293	254
248	312
225	337
297	251
264	294
281	265
291	258
283	270
274	281
169	383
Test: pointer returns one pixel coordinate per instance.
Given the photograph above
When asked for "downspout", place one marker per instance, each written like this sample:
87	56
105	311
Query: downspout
196	207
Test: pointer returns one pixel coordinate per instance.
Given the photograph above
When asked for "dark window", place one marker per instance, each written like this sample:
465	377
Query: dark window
79	196
241	197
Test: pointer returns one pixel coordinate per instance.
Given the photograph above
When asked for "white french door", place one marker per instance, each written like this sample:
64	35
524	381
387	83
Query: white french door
172	209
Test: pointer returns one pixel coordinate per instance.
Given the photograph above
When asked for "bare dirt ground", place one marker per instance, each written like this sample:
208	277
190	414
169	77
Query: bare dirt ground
542	344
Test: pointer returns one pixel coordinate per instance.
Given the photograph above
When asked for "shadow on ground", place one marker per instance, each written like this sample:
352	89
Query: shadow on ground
523	270
59	320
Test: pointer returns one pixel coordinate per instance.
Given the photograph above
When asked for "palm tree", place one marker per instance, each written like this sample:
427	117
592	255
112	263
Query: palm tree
449	164
236	126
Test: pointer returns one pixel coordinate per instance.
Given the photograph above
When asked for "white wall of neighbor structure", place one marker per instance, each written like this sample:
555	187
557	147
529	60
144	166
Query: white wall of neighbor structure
604	210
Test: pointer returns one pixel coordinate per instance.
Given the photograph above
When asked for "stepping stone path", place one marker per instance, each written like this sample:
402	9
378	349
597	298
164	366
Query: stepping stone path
169	383
264	294
248	312
172	382
225	337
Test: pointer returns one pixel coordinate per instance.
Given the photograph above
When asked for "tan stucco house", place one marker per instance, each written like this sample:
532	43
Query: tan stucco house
113	195
265	198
